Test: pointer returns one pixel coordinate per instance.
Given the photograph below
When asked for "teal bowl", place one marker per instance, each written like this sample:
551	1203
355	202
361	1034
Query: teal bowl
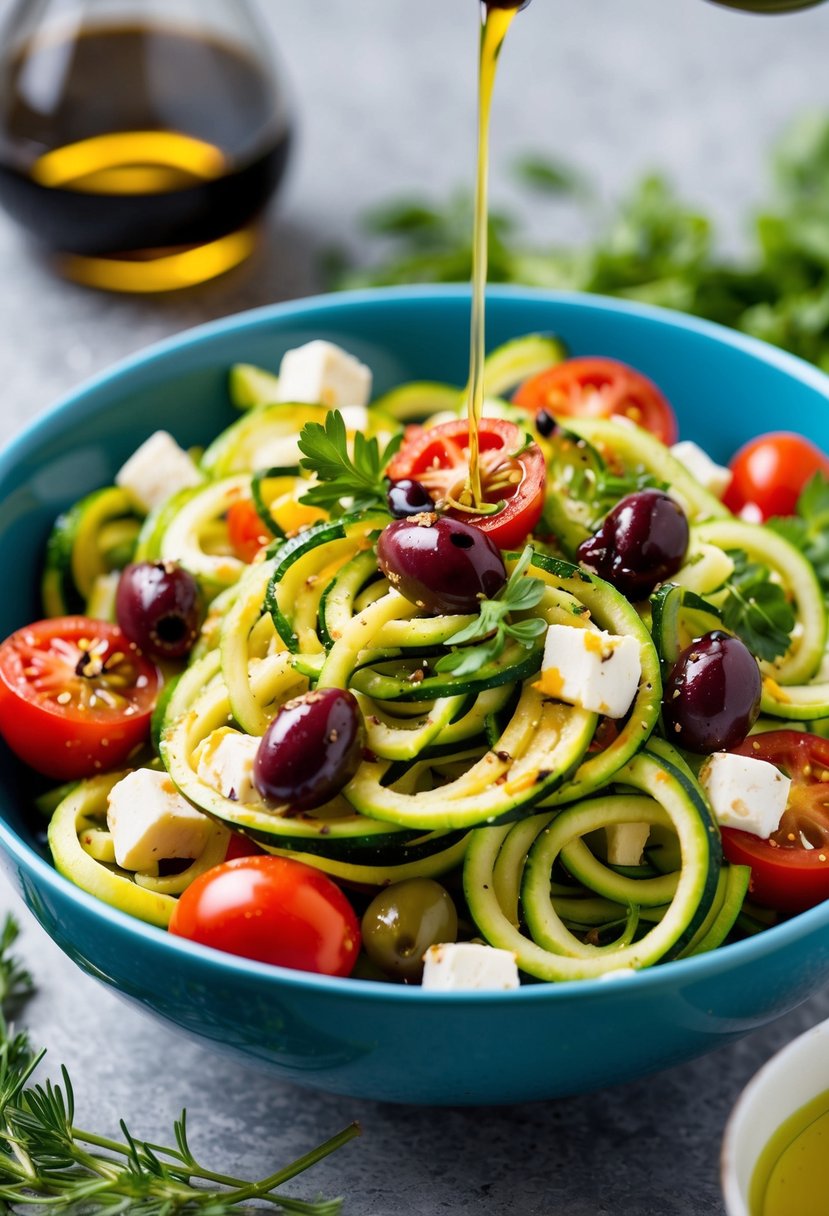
357	1037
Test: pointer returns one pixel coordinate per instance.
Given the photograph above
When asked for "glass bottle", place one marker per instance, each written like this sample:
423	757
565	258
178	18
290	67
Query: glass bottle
139	139
767	6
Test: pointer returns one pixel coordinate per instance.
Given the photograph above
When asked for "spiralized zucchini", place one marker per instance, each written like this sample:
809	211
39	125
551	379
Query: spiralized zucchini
482	777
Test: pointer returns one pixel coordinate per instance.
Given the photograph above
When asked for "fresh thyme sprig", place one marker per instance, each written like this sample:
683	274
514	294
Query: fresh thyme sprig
492	626
359	479
47	1162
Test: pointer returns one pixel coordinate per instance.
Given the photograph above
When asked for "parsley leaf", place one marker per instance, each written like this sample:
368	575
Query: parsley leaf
756	609
808	531
359	478
492	627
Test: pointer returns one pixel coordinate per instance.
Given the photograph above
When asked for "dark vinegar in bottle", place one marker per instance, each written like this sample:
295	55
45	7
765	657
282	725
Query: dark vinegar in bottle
140	155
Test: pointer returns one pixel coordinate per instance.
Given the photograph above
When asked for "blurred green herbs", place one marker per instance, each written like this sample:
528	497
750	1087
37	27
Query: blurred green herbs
654	248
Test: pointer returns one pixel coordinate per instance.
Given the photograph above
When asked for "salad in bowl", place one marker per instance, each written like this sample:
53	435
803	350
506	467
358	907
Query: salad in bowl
311	701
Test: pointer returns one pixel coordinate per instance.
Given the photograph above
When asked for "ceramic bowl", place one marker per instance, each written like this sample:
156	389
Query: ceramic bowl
783	1086
357	1037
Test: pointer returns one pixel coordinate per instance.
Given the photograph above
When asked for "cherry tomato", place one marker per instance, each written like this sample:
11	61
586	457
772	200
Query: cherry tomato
511	471
245	530
771	471
274	910
785	873
596	387
75	696
241	846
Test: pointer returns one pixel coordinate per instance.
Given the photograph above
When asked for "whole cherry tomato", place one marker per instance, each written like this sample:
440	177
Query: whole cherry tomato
770	472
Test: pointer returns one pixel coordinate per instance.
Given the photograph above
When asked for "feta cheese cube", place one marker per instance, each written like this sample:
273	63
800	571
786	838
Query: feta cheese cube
590	668
226	763
156	470
712	476
626	843
745	792
150	821
321	373
467	966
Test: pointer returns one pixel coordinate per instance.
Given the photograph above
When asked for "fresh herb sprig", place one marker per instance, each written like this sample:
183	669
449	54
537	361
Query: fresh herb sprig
492	627
358	479
808	530
756	608
48	1163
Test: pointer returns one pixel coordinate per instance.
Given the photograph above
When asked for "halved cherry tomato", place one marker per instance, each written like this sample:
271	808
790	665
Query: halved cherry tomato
512	471
246	532
595	387
75	696
790	870
272	909
770	472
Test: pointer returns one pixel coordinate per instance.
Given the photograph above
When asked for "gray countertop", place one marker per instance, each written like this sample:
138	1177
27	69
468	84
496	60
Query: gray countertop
384	93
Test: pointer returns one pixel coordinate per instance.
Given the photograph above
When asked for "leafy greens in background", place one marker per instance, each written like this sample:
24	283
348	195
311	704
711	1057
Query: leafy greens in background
654	249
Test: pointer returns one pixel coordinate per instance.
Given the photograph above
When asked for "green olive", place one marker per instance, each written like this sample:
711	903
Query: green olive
403	921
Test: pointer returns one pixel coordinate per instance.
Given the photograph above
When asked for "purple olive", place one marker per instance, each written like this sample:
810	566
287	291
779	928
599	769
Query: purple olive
408	497
712	696
311	749
442	565
642	542
159	607
545	424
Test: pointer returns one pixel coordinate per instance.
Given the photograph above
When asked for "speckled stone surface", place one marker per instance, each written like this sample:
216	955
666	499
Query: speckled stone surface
384	93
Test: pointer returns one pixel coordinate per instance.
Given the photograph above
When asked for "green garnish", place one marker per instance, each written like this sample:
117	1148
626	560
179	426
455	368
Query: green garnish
756	609
652	247
48	1163
360	478
492	627
808	530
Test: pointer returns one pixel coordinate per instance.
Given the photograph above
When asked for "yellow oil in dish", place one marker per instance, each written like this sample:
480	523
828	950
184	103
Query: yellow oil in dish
791	1177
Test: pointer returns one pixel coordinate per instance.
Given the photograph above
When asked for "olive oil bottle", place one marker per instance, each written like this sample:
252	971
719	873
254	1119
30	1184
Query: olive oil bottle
139	154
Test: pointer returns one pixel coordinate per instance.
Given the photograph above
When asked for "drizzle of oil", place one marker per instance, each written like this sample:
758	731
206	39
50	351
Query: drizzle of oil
495	23
790	1178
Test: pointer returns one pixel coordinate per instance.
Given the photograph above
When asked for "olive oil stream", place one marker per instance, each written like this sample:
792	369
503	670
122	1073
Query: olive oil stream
494	28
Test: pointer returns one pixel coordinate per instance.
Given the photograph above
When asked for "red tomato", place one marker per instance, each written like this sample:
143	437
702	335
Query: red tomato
785	874
595	387
240	846
75	696
245	529
770	472
510	471
274	910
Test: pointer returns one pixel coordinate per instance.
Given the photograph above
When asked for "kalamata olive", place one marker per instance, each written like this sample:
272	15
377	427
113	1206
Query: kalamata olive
641	542
442	565
712	696
159	607
545	424
408	497
403	921
311	749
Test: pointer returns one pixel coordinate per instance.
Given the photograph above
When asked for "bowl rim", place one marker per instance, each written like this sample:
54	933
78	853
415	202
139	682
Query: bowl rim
83	400
735	1202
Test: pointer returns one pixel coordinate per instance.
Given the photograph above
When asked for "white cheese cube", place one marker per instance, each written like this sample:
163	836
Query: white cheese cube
468	966
712	476
150	821
320	373
590	668
156	470
745	792
626	843
226	763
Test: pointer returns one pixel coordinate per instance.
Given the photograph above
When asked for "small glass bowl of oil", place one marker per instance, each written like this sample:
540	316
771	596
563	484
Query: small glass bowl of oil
775	1156
139	141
